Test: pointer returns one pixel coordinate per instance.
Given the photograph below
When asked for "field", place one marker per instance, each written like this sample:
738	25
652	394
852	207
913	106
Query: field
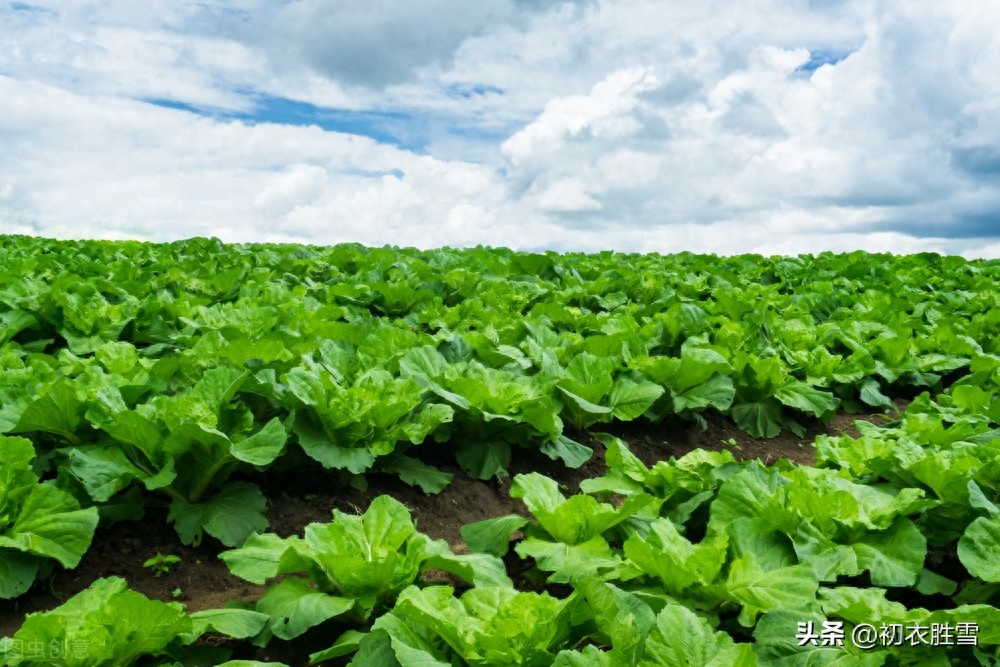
384	456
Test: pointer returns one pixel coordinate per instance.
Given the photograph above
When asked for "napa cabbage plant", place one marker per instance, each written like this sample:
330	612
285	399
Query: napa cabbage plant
109	625
352	567
39	522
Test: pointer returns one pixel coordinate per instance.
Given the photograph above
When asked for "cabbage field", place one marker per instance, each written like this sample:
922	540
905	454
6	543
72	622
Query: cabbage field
276	454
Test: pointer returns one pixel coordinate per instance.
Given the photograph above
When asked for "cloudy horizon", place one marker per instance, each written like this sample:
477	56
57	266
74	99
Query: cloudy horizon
782	127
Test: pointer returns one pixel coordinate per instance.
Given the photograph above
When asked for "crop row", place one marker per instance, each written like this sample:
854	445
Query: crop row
701	560
141	371
137	374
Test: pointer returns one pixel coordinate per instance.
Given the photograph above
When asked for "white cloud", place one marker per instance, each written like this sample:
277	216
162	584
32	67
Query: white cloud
633	124
106	49
299	185
604	113
157	174
566	195
347	41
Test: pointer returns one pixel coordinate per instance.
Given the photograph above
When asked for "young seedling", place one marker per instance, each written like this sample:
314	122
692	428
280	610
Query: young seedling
160	564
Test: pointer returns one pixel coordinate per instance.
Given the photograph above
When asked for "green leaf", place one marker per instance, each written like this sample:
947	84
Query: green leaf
584	406
427	421
777	645
103	471
756	537
346	644
476	569
589	373
861	605
317	445
59	411
572	453
374	650
116	625
986	618
567	562
294	606
621	460
894	557
979	546
759	590
492	536
436	608
17	572
306	386
540	493
263	557
759	419
827	558
629	399
716	392
872	394
979	500
145	626
590	656
622	618
804	397
483	460
424	361
236	623
571	520
17	478
264	446
117	356
50	523
230	516
392	645
834	503
931	583
499	626
678	563
134	429
417	473
696	366
682	639
749	493
370	556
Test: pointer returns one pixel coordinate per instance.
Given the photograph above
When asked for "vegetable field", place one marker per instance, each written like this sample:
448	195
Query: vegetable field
273	454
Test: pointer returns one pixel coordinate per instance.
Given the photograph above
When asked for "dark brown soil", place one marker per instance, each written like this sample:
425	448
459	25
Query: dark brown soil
201	580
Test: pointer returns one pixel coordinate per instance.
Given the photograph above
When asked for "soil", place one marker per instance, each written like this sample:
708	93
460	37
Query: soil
200	580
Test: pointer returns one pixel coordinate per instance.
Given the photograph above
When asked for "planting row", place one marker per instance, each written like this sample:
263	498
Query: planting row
883	554
168	373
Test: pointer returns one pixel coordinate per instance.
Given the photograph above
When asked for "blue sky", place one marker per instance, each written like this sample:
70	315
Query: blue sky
784	127
410	129
405	129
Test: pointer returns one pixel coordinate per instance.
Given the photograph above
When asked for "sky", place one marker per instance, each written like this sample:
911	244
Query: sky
773	126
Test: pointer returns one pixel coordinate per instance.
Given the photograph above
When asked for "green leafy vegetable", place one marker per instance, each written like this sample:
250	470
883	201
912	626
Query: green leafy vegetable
38	521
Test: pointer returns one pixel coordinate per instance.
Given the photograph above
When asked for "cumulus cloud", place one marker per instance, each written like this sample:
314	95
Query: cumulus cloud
347	41
298	185
604	114
764	139
787	126
123	49
370	44
125	168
